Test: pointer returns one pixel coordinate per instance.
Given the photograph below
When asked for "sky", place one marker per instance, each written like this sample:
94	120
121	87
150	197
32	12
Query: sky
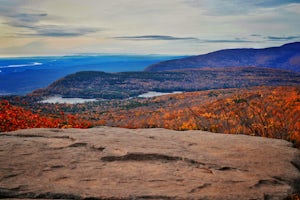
172	27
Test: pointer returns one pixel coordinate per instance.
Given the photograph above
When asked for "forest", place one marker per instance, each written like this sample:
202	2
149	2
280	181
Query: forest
266	111
92	84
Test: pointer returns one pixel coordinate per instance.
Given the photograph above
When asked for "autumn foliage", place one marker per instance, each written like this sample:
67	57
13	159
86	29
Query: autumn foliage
259	111
268	113
15	117
264	111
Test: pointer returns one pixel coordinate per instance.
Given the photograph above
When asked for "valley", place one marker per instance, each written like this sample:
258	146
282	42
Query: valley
267	111
247	100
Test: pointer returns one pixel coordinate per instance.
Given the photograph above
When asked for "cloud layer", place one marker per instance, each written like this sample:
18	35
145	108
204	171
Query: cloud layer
31	21
160	27
283	38
154	37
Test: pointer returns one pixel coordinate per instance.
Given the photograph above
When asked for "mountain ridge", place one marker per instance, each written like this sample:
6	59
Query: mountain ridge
285	57
93	84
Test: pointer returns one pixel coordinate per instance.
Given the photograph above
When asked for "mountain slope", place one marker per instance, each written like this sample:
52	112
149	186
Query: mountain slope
91	84
285	57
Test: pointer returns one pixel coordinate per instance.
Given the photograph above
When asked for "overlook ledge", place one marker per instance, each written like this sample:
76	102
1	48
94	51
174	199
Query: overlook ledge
115	163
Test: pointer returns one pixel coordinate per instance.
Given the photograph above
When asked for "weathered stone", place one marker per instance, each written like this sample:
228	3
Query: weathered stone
115	163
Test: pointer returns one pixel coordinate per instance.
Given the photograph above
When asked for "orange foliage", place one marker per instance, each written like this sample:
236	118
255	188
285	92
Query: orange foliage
260	111
268	113
264	111
15	117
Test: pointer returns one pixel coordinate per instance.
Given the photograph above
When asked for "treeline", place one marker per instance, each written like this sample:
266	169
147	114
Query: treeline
130	84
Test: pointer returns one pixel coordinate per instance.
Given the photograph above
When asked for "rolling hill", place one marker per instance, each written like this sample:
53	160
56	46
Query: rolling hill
286	57
92	84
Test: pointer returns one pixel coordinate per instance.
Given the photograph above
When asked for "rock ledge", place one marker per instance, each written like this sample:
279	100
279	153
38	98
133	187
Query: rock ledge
114	163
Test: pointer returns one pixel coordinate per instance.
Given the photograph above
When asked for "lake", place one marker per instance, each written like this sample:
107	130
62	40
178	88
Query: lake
59	99
156	94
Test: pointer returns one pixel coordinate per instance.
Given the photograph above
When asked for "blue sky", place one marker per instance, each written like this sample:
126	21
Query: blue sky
184	27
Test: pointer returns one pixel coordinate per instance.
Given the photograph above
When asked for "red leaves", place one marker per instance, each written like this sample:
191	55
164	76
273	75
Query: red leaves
15	117
263	111
267	112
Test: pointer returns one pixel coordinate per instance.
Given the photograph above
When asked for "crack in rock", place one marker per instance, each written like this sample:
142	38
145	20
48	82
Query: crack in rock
200	187
56	130
149	157
97	148
10	176
36	136
163	158
57	166
296	165
296	181
23	136
87	179
78	144
82	144
267	182
227	168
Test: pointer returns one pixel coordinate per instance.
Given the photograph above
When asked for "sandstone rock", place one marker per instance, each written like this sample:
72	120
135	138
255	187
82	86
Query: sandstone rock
115	163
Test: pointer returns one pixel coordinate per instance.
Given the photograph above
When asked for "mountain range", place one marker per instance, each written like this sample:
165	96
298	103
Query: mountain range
231	68
285	57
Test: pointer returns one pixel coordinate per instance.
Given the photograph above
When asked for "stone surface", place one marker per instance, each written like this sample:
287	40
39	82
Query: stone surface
115	163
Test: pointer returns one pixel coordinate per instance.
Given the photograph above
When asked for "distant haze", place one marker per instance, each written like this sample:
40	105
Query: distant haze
23	75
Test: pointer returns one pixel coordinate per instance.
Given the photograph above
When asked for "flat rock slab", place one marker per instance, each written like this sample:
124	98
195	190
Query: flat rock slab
115	163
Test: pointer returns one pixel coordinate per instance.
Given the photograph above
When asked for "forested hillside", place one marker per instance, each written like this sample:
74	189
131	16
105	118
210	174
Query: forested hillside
92	84
261	111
